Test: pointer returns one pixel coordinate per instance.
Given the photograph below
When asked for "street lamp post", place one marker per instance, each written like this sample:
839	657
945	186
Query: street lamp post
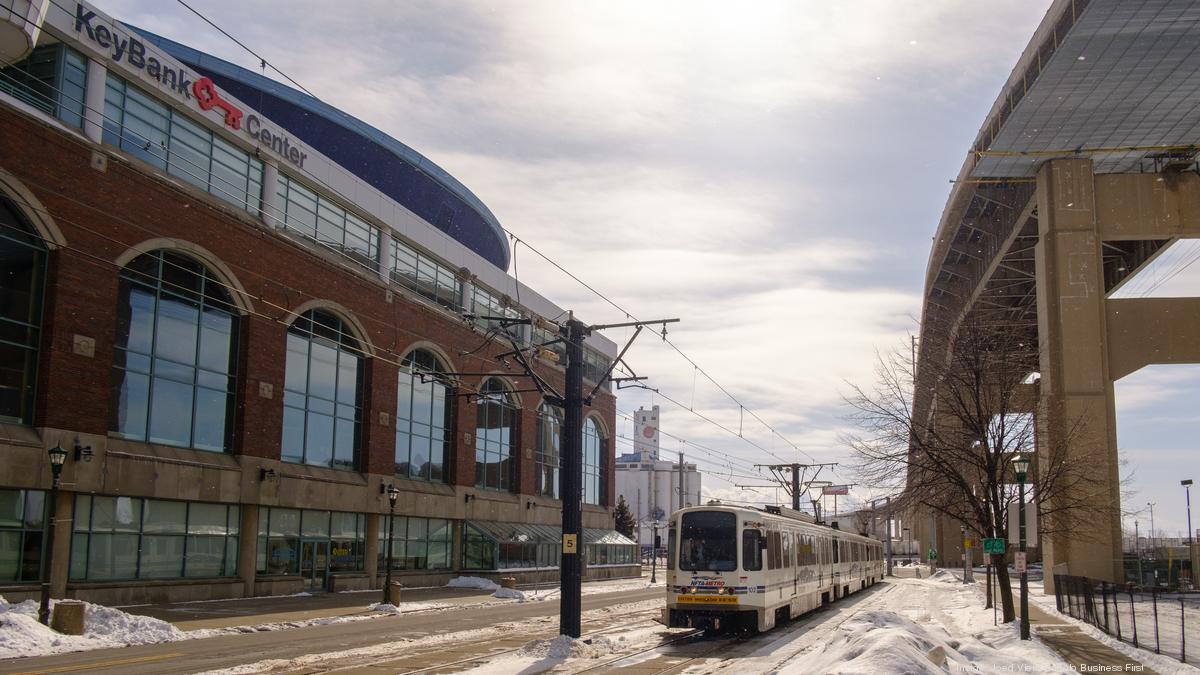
57	457
1153	549
1191	535
392	494
654	552
1137	548
1021	467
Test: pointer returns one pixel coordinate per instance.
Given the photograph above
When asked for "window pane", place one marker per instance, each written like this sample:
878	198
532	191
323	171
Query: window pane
205	556
112	556
171	412
162	557
319	440
12	503
285	522
315	524
206	518
163	517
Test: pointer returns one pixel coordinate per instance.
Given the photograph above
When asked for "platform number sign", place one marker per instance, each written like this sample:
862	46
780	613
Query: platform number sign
569	543
993	546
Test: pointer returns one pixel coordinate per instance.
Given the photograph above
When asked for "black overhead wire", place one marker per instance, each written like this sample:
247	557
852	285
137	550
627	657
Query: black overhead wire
519	240
515	238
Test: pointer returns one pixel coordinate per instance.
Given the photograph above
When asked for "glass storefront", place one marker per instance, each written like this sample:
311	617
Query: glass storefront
22	523
134	538
51	79
417	543
312	544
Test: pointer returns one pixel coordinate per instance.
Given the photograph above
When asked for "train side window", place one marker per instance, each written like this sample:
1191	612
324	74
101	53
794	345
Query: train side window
752	546
670	547
835	551
787	550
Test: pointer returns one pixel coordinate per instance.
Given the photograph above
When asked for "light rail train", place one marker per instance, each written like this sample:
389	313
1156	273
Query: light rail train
731	567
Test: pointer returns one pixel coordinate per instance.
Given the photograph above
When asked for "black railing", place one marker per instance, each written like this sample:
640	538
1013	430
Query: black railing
1149	618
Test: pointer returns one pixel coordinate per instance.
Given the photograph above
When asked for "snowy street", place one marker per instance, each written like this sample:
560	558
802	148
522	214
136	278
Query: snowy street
904	625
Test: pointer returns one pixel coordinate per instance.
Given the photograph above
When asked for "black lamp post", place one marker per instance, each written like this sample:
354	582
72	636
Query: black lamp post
392	493
1187	491
654	552
57	457
1021	466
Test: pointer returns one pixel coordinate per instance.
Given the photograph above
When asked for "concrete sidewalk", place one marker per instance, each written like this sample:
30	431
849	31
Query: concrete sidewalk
1061	633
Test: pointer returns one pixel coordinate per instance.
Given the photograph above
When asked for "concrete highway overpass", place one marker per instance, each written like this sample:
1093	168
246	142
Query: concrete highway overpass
1083	171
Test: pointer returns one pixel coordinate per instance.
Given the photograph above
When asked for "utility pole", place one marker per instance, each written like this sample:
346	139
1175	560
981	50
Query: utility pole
571	567
791	484
571	335
682	491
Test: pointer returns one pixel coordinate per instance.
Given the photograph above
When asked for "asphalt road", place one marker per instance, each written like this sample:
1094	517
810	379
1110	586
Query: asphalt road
190	656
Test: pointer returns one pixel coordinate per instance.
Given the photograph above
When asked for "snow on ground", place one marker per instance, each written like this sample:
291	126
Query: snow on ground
473	582
22	635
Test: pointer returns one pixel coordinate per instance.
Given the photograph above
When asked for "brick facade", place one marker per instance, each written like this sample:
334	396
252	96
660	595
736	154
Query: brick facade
104	215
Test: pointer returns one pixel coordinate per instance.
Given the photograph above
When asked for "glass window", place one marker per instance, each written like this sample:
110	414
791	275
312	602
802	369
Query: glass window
53	79
708	541
595	365
133	538
22	275
321	398
495	435
422	418
751	549
281	531
547	461
595	451
318	218
488	307
430	278
22	517
417	543
174	357
479	550
149	130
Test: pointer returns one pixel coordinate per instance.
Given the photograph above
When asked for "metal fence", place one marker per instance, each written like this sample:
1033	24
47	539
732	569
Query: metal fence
1167	622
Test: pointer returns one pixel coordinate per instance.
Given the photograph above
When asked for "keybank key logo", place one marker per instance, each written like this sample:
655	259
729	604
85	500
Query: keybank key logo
208	98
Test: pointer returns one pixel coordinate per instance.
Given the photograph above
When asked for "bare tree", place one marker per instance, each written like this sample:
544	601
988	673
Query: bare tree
944	438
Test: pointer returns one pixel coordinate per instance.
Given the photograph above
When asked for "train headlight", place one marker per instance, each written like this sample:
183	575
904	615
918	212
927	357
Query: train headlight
692	590
722	591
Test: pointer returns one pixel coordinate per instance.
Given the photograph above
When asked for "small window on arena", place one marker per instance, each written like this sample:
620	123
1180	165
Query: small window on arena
751	550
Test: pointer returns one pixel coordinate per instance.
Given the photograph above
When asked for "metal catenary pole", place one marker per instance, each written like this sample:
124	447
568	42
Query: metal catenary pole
572	479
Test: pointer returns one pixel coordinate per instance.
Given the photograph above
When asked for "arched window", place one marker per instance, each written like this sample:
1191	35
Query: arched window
322	392
548	459
22	271
595	446
175	354
494	435
422	417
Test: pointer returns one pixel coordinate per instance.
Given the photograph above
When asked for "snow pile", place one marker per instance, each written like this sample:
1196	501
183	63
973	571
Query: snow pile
385	607
560	648
473	582
509	594
945	576
882	642
22	635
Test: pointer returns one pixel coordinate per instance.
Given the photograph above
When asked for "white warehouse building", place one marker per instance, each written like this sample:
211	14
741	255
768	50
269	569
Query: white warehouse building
652	486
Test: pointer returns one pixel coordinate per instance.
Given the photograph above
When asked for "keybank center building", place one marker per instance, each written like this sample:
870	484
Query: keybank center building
245	316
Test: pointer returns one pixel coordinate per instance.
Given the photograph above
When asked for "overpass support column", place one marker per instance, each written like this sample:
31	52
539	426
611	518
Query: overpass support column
1076	412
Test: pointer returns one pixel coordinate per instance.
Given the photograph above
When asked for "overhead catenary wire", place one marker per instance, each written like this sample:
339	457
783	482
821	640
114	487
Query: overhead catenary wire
518	240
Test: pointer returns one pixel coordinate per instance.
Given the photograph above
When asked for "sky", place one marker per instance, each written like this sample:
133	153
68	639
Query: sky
771	174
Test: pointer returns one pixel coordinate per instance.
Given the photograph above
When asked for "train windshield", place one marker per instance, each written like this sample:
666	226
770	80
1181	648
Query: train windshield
708	541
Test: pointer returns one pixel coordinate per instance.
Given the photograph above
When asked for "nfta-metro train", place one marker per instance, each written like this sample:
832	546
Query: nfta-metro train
730	567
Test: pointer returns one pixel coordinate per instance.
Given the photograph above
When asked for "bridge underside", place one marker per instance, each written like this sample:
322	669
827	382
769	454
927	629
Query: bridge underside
1083	173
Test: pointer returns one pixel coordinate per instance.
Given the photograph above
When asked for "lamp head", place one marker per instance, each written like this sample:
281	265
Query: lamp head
57	457
1186	482
1021	467
392	492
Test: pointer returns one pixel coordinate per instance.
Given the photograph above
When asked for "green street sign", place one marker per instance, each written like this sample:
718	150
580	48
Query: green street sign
993	546
932	553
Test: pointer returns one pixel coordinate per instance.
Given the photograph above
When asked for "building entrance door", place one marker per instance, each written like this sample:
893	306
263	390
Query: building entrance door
314	564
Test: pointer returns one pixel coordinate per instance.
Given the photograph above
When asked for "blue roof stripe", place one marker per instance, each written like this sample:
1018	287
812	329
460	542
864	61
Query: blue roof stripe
414	181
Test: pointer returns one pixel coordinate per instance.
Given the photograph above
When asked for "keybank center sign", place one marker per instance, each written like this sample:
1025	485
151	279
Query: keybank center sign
200	92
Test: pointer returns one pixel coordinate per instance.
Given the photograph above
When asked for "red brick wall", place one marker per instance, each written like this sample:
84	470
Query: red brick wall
103	214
